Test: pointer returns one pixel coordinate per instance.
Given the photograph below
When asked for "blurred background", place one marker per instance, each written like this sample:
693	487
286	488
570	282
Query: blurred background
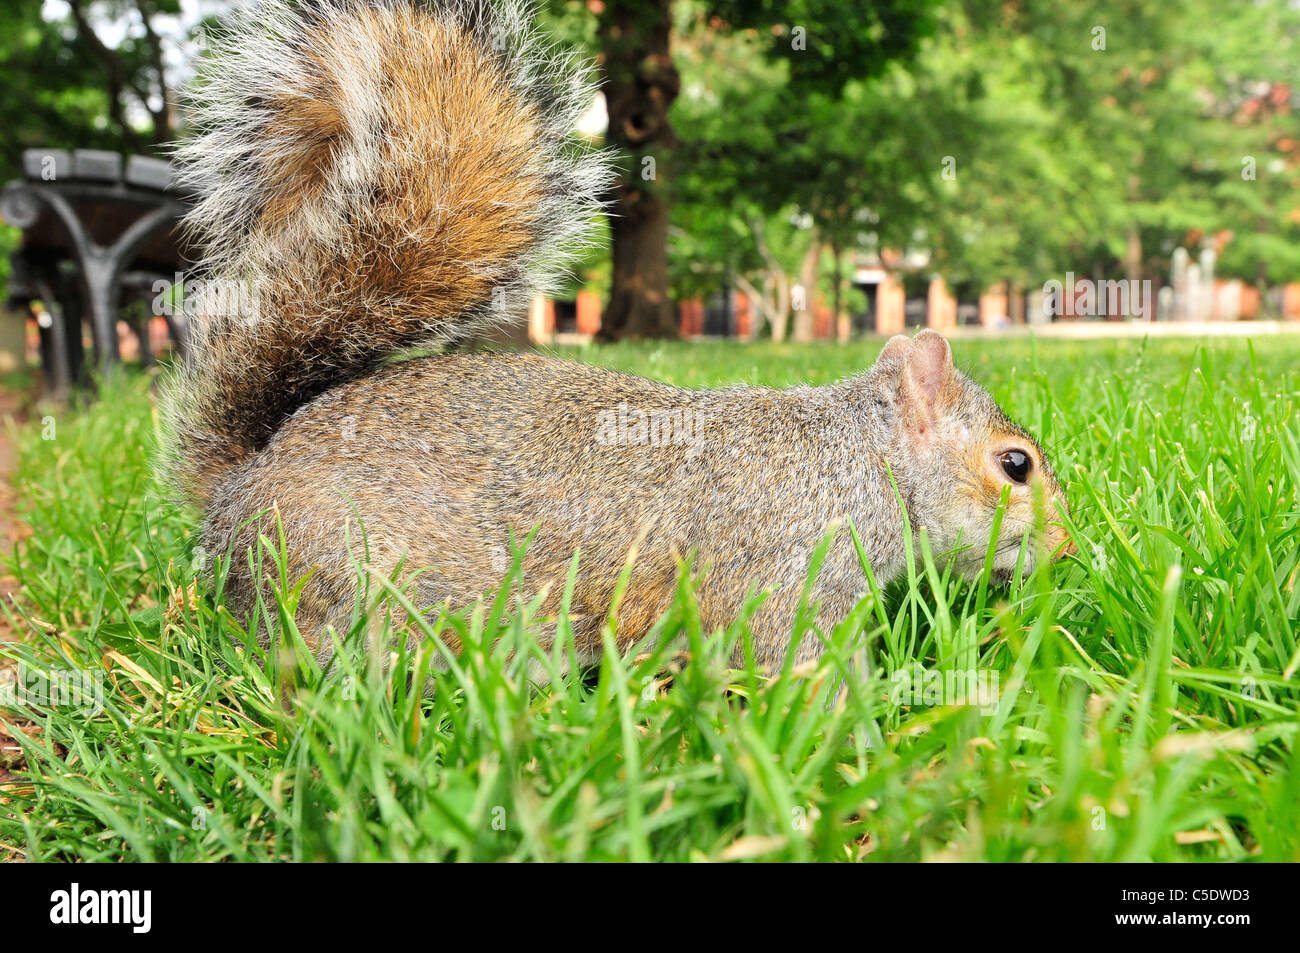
814	169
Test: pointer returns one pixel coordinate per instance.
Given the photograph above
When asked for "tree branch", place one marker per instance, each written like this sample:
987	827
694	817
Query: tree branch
118	80
162	131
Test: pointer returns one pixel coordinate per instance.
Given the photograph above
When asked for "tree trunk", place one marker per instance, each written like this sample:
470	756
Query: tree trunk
781	318
837	277
1133	254
774	280
803	318
761	306
842	328
1133	242
640	83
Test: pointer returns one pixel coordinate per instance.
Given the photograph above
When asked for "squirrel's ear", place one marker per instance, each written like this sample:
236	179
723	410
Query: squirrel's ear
927	369
895	349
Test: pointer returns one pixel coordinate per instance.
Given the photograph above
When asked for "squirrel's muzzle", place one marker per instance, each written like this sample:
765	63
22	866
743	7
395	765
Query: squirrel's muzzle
1061	542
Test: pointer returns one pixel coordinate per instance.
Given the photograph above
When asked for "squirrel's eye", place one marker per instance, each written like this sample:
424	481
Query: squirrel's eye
1016	465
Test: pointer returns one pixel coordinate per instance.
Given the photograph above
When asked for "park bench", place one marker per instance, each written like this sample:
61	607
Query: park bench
97	235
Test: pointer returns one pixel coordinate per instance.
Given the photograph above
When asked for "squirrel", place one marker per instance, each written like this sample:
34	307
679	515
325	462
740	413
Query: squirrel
392	174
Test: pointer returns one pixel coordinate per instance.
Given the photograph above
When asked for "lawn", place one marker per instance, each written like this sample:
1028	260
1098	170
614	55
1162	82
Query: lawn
1145	701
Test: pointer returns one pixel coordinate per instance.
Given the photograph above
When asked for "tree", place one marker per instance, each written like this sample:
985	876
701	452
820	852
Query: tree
68	86
640	82
1022	140
134	72
1121	131
821	46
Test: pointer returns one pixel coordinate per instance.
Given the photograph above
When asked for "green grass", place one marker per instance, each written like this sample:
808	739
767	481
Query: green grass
1146	706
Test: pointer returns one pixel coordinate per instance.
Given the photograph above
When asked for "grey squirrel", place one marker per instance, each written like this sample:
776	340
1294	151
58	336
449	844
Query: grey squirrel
391	173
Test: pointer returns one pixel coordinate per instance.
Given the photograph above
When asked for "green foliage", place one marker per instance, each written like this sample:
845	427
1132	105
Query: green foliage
1146	704
51	94
828	43
1020	141
1007	141
65	87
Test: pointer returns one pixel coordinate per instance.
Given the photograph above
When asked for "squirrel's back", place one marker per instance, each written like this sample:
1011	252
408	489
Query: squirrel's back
373	175
377	471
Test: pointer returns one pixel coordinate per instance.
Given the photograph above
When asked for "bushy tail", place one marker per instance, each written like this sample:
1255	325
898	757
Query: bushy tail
373	175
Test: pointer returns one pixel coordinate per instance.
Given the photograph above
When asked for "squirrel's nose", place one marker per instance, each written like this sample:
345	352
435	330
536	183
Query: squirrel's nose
1065	545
